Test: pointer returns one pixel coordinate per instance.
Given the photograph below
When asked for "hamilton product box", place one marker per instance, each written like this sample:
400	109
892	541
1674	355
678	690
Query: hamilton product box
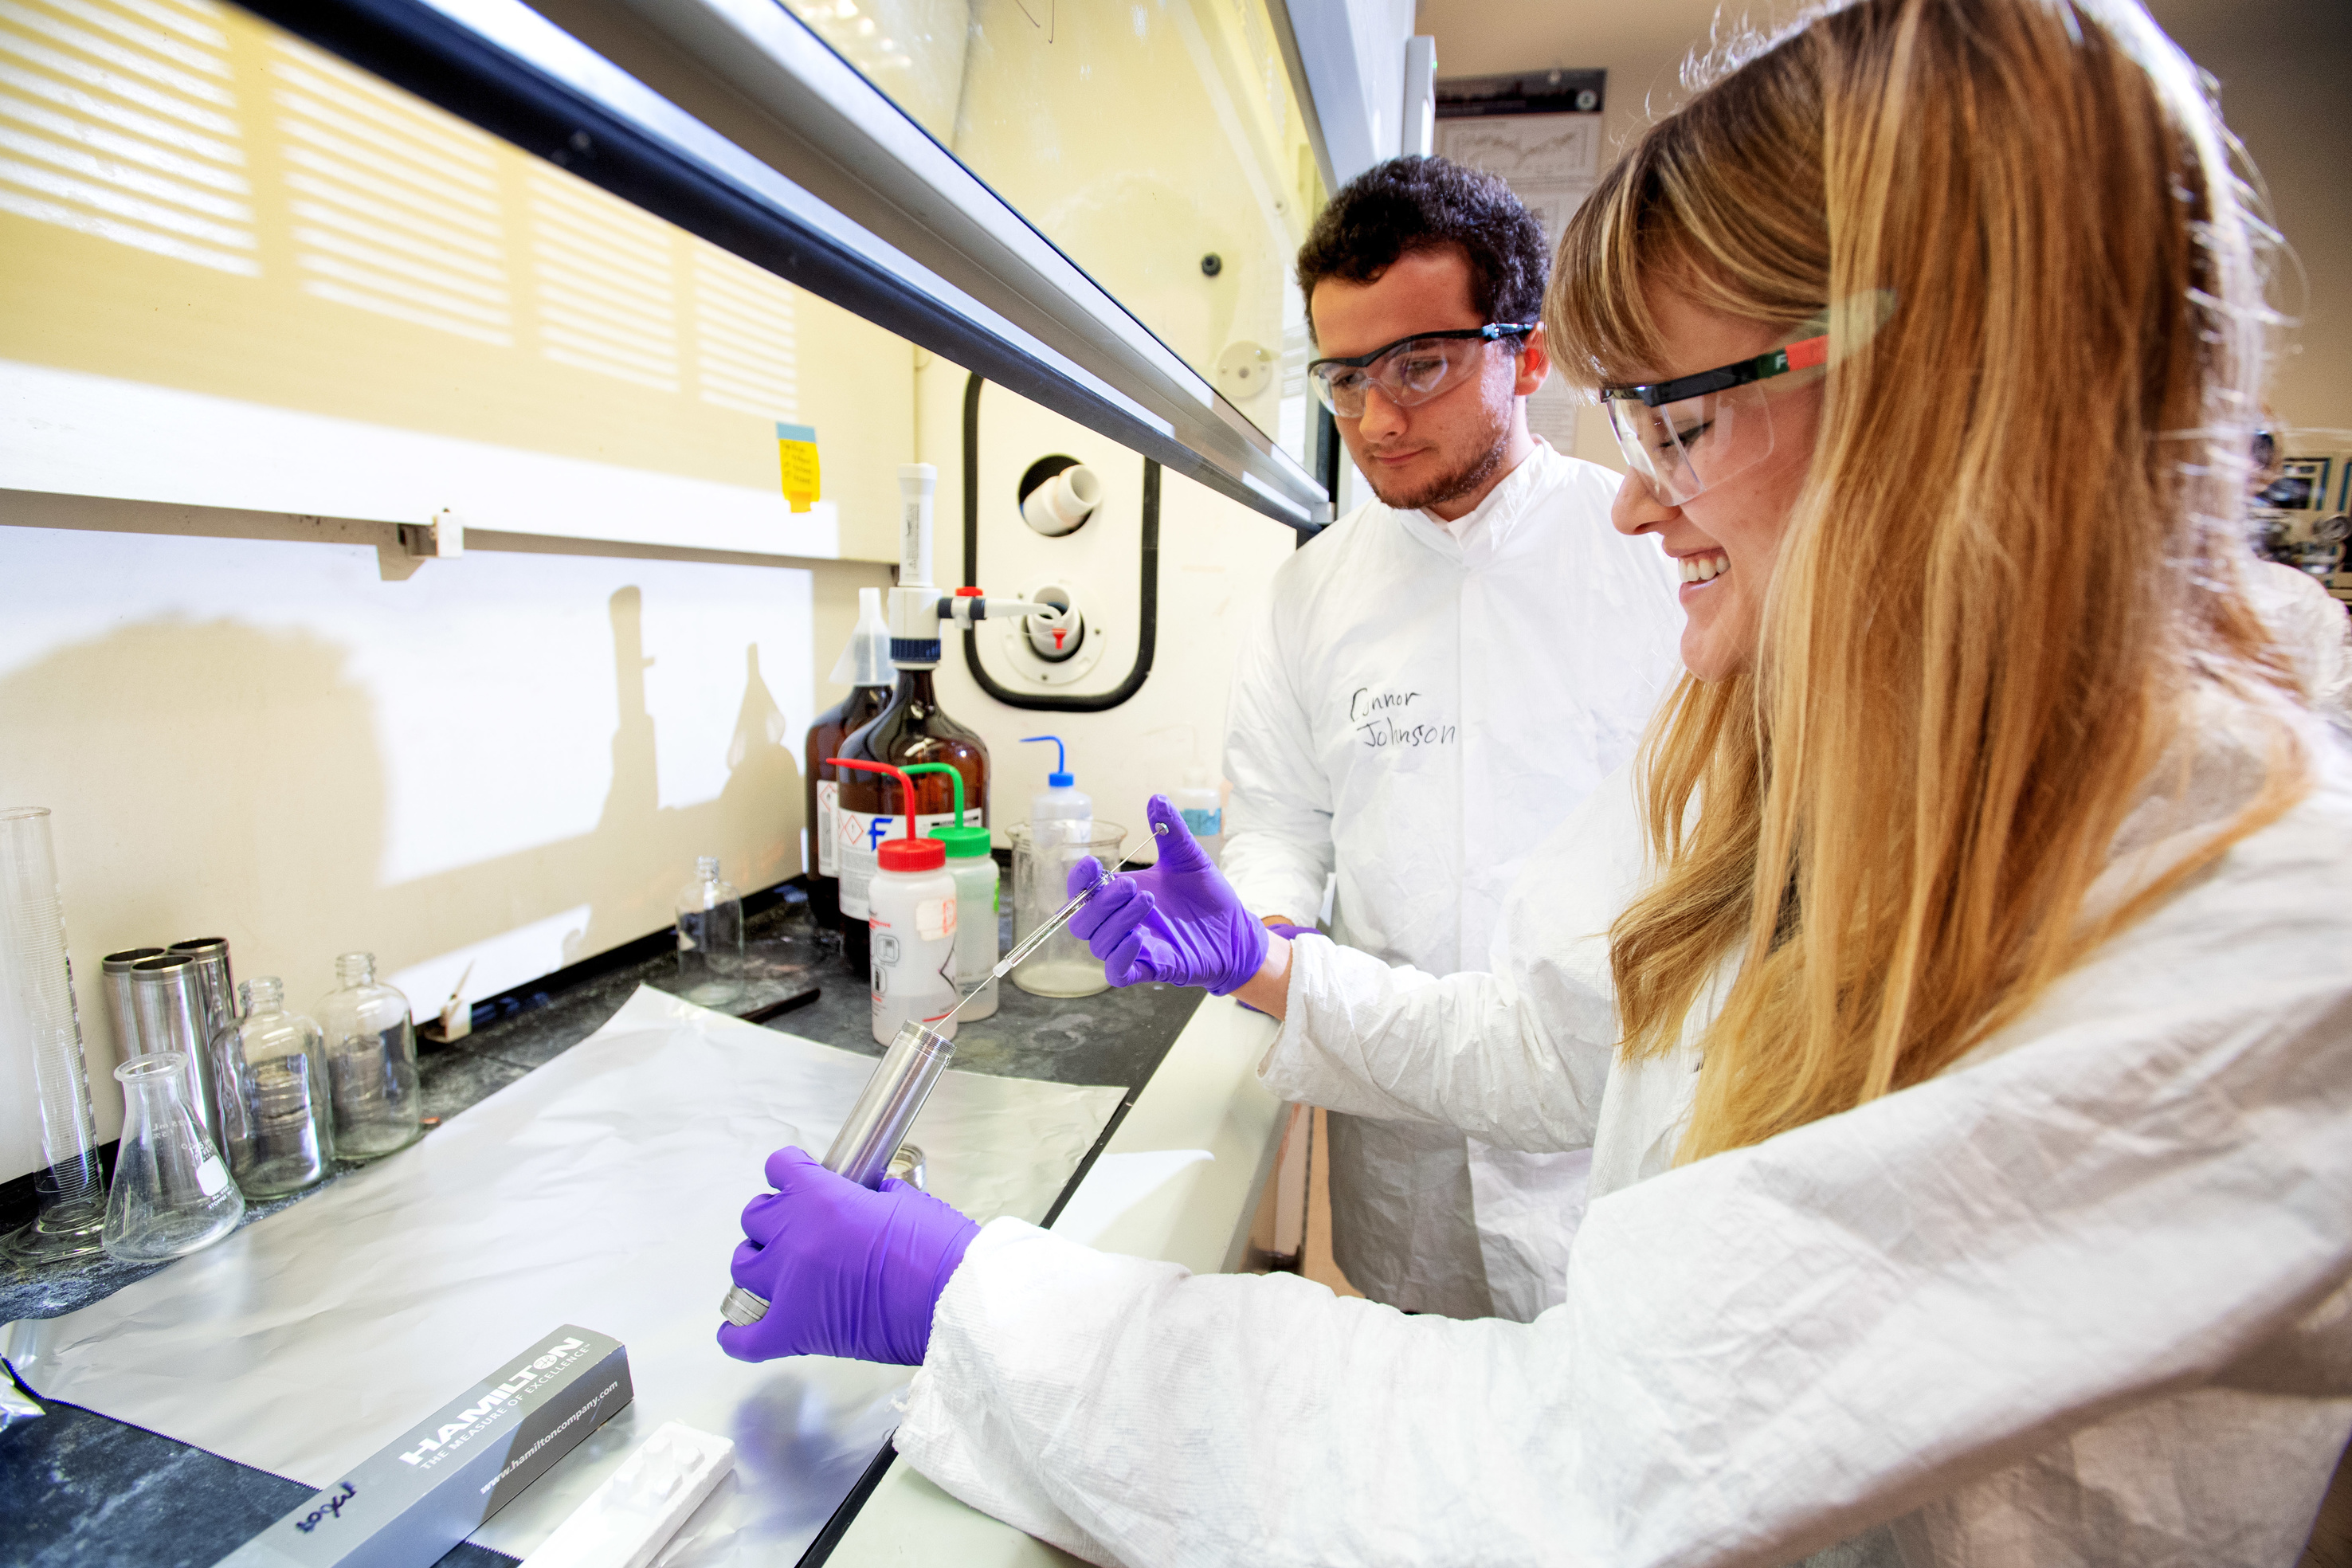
434	1486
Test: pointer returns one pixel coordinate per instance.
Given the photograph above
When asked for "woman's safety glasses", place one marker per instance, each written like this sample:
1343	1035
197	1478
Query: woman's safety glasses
1410	371
1693	431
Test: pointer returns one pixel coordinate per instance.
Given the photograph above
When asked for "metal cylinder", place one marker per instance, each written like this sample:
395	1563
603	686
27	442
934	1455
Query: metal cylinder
167	999
870	1134
119	1010
214	984
888	1104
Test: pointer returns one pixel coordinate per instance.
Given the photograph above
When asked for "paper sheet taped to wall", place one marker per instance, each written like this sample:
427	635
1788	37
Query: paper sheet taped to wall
796	447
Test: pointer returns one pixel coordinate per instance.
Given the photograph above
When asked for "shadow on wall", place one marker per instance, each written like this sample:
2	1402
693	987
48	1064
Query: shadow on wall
635	837
220	776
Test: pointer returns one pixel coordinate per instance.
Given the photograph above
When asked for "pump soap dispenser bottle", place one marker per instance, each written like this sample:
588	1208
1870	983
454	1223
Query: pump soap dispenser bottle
865	666
911	728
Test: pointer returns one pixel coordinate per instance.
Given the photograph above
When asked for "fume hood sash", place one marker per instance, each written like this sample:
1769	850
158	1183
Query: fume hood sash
873	214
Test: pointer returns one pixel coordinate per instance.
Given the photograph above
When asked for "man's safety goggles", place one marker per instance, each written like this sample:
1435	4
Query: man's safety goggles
1410	371
1684	435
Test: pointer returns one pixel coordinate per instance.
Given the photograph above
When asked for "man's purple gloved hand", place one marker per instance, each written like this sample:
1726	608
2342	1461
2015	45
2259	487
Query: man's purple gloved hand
846	1271
1179	921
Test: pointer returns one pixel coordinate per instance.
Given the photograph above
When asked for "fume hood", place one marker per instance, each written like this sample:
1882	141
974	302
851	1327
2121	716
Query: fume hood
1094	207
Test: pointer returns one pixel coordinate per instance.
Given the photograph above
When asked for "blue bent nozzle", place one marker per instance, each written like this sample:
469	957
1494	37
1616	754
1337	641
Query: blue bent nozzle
1061	777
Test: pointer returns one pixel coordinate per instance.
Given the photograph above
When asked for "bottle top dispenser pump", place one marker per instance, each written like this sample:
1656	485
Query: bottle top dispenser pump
912	728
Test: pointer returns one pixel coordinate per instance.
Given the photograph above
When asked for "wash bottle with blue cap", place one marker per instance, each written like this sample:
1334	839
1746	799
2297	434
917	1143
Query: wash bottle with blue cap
1060	813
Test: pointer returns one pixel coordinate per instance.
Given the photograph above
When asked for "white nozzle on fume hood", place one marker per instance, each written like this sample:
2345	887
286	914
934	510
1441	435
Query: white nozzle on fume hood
1060	504
865	660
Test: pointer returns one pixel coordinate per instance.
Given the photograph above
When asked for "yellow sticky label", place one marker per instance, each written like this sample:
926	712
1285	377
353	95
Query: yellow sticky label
796	453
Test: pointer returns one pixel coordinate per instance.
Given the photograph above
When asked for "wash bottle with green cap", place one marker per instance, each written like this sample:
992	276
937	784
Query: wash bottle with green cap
974	870
1060	813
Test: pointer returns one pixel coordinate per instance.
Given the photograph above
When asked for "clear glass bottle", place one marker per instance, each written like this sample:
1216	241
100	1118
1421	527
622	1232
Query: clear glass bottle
172	1195
709	937
371	1041
276	1107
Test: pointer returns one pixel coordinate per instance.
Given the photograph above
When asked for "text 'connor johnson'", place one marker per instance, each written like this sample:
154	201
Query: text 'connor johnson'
1384	719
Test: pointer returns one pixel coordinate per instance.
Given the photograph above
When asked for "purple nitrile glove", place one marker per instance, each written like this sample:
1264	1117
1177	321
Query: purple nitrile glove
846	1271
1179	921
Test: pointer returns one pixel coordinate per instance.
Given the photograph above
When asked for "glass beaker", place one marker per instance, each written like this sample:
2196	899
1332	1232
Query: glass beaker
371	1044
275	1102
709	937
41	1045
172	1195
1041	873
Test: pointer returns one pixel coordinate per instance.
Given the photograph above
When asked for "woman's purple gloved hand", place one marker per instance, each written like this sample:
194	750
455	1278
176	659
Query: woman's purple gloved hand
1179	921
846	1271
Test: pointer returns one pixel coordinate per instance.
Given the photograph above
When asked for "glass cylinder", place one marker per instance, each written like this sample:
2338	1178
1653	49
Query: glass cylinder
1041	874
276	1112
41	1045
371	1042
171	1193
167	998
709	937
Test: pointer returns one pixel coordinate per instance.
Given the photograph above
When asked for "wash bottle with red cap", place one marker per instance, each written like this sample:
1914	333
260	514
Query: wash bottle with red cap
911	915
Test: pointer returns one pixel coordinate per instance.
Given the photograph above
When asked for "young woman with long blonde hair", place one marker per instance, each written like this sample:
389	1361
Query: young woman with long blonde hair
1957	996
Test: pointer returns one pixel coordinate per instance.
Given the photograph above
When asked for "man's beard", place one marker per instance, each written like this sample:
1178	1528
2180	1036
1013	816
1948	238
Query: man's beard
1464	480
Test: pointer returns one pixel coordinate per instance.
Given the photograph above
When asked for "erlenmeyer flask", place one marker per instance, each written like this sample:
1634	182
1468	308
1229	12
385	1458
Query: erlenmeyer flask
172	1194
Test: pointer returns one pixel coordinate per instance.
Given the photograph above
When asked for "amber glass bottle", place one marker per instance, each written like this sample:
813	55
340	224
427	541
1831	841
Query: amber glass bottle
911	729
833	726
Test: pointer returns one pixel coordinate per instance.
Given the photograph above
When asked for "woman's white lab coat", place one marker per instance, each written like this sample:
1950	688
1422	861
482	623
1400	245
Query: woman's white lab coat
2081	1298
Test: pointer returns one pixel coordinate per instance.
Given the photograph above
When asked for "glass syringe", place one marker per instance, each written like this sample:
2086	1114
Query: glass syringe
886	1107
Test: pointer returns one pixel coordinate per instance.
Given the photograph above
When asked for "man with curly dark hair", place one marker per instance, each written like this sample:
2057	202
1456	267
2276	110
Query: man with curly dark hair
1447	670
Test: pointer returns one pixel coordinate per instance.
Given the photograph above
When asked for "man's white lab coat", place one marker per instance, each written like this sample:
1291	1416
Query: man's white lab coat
2082	1298
1421	705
